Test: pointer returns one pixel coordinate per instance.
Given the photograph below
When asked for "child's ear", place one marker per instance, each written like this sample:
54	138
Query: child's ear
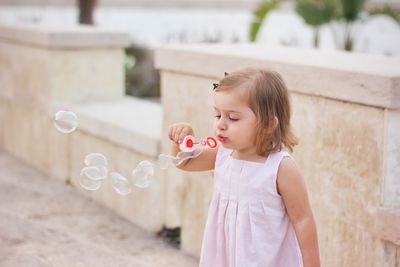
273	123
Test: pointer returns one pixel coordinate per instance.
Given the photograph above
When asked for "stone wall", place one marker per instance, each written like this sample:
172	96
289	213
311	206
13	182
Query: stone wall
346	110
44	69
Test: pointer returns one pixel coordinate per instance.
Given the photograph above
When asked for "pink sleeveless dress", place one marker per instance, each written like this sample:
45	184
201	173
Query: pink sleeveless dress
247	223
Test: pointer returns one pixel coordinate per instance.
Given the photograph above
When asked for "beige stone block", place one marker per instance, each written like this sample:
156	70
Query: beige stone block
349	138
82	144
7	67
398	256
8	128
42	76
86	75
187	99
387	224
174	191
30	135
50	148
130	122
343	174
25	75
348	143
4	118
58	152
20	134
41	125
196	201
65	36
142	206
304	113
348	245
391	159
358	78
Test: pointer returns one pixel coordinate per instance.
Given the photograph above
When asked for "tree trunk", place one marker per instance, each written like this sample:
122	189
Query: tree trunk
316	37
86	9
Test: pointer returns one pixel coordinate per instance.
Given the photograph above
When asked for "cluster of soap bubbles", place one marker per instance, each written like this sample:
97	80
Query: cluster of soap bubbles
95	172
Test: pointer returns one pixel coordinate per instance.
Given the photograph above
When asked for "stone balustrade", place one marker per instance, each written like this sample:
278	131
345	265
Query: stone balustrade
44	69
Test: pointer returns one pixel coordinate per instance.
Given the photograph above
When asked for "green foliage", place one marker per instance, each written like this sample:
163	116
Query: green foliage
349	10
259	16
316	12
388	11
319	12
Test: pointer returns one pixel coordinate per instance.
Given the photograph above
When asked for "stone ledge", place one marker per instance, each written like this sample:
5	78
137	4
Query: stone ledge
388	224
329	74
70	37
130	122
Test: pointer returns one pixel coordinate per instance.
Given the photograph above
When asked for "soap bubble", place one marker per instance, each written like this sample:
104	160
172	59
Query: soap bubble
95	159
183	156
89	184
147	167
142	173
65	121
120	184
164	161
95	172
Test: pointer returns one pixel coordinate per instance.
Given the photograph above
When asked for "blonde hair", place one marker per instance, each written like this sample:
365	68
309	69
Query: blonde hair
268	98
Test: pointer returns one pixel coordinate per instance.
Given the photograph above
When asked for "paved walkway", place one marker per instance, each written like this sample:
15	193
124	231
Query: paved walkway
44	222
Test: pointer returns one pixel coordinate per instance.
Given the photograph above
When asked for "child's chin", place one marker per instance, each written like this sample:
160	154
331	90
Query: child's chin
227	145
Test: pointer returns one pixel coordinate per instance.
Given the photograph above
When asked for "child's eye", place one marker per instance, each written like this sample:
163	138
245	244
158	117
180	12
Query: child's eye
233	119
218	116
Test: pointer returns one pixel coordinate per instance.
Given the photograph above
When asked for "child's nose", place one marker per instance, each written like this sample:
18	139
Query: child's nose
221	125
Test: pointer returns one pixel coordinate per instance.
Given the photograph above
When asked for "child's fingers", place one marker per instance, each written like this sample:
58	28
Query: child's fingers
185	131
177	132
174	131
177	135
170	133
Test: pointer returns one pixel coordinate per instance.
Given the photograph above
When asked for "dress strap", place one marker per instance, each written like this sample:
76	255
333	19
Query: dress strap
274	160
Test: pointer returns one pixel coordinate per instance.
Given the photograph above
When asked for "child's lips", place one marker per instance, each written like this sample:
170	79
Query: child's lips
221	138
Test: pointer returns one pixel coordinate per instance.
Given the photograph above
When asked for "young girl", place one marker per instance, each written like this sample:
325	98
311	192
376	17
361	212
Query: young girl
259	214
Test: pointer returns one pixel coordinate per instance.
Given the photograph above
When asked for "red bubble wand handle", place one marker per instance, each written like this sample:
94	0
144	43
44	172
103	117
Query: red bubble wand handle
190	144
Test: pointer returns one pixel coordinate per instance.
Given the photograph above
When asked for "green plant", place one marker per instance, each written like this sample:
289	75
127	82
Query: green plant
319	12
316	13
259	16
349	12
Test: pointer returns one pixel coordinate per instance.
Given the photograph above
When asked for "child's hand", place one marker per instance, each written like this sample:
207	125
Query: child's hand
178	131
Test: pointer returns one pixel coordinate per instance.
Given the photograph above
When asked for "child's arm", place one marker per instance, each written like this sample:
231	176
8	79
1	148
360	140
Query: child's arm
293	190
204	162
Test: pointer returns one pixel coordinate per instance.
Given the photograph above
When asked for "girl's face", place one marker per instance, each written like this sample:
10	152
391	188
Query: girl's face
235	123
